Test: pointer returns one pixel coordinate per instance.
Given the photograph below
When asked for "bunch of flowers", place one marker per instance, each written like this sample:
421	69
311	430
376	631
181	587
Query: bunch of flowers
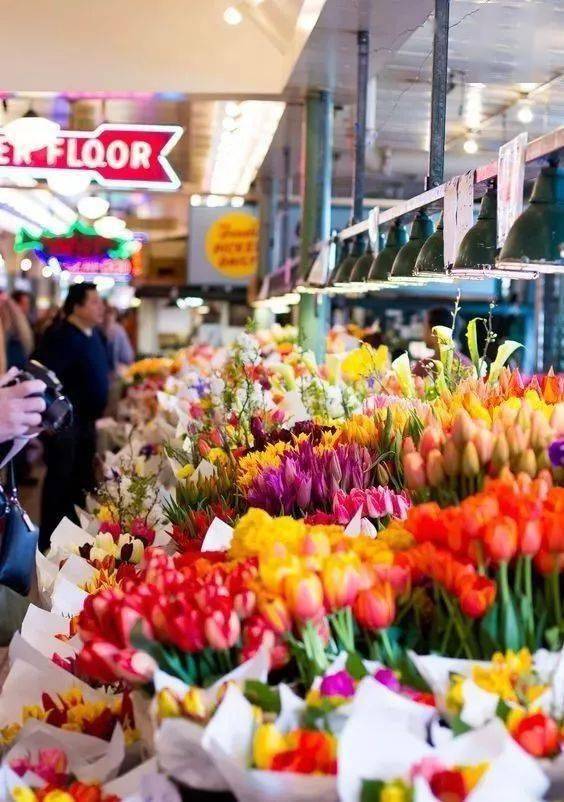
446	784
300	751
52	767
71	711
517	694
449	464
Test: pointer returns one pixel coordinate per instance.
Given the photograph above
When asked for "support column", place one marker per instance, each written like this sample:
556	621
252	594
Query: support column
438	94
267	217
317	145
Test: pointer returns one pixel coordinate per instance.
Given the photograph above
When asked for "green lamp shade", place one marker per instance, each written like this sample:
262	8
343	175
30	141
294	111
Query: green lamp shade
343	275
538	233
477	249
430	263
404	263
343	249
384	260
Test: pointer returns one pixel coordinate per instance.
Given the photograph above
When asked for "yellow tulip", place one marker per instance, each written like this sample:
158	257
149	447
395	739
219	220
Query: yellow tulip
267	743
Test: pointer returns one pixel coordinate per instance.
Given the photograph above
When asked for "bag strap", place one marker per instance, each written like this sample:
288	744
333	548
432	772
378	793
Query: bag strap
11	488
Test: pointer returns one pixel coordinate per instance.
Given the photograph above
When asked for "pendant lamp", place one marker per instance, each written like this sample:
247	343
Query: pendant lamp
379	275
343	250
538	233
342	282
477	251
403	270
429	264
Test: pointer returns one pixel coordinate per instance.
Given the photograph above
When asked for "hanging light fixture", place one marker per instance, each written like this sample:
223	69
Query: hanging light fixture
342	282
68	182
476	255
537	236
93	207
403	270
343	248
109	226
430	264
31	132
361	269
379	276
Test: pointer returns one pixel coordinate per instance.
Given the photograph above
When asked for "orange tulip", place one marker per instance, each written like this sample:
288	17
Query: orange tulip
476	596
500	538
375	608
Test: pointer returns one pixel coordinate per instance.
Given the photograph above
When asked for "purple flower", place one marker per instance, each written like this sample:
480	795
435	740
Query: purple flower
556	453
339	684
387	677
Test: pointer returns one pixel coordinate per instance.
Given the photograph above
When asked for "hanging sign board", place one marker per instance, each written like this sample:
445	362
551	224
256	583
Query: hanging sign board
510	181
373	225
458	215
120	156
223	245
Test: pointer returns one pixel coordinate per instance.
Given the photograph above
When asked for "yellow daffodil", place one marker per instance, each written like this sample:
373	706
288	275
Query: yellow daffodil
185	472
194	704
364	362
21	794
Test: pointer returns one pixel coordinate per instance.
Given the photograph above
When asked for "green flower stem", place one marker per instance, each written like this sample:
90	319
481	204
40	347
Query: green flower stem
383	633
555	585
463	633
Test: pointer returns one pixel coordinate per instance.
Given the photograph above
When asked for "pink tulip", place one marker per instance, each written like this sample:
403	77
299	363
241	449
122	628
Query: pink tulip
414	471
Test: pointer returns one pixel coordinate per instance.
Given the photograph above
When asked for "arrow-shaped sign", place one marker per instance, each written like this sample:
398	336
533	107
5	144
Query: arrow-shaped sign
114	155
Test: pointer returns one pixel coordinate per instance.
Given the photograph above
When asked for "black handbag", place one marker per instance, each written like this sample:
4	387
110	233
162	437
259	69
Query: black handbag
19	539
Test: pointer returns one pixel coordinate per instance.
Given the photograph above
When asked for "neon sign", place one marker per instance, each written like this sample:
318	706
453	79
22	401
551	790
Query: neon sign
114	155
81	243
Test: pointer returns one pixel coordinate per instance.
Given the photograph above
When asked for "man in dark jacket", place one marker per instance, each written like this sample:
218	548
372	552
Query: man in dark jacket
76	351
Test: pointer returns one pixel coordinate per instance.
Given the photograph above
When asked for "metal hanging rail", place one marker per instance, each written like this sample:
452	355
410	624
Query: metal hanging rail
542	146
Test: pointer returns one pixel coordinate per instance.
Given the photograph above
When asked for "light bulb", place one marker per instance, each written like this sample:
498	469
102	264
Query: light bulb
29	133
232	16
525	114
92	207
68	182
470	145
46	272
196	200
109	226
25	265
232	108
237	201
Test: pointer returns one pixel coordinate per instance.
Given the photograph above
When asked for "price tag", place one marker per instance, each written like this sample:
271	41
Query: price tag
510	181
373	225
458	215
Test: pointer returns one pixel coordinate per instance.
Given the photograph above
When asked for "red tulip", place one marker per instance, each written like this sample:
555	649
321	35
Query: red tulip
538	735
530	537
222	628
375	608
476	596
448	786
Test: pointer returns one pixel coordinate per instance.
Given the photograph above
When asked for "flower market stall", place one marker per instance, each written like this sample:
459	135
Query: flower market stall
301	581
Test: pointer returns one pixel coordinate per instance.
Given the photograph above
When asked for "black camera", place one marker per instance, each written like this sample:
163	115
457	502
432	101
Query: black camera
58	409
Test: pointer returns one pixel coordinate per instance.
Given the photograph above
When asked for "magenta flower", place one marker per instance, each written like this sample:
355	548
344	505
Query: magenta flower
386	677
339	684
375	502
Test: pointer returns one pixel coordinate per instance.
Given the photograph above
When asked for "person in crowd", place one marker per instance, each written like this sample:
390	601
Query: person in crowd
21	406
75	350
23	300
121	351
17	336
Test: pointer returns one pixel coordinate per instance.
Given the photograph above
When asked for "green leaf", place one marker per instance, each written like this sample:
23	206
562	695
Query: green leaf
262	695
512	634
458	726
489	633
503	353
502	710
472	338
371	790
552	637
355	666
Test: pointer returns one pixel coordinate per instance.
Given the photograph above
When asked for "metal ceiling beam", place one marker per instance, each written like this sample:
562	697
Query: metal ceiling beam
438	95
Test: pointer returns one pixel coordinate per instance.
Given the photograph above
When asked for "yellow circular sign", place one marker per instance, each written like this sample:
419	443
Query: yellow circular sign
232	244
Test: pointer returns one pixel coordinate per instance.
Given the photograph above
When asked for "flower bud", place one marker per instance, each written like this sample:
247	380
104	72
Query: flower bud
484	443
432	438
382	474
435	468
408	446
451	459
414	471
167	704
501	539
470	461
463	428
527	462
500	453
194	704
557	419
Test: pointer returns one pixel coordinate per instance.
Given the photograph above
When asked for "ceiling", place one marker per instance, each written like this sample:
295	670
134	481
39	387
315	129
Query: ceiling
488	76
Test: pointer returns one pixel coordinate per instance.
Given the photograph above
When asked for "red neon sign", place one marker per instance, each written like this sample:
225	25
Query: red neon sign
114	155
